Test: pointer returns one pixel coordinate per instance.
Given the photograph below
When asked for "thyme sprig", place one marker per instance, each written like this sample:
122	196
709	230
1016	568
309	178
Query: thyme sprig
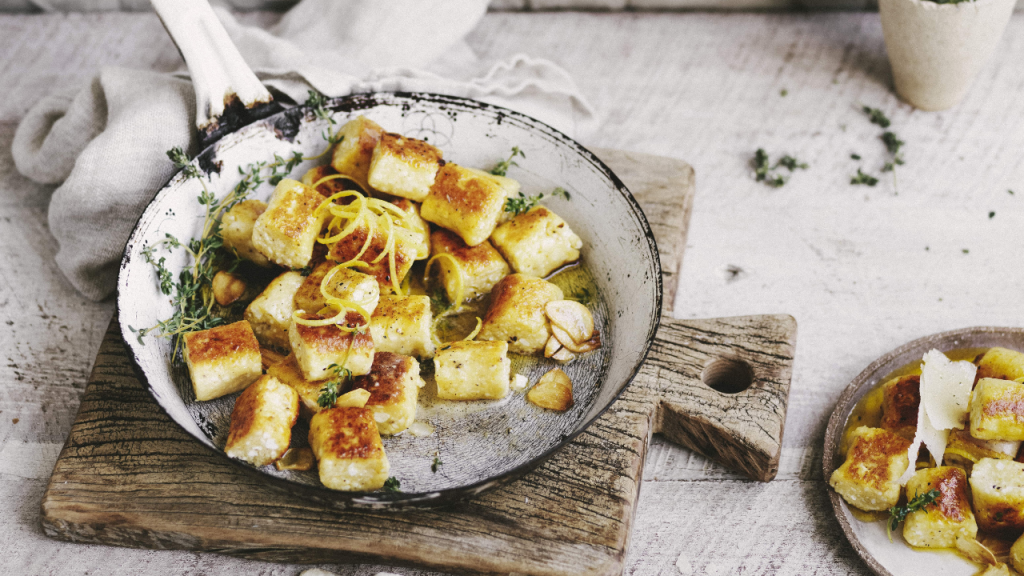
764	170
332	388
392	484
898	514
436	464
519	204
192	294
501	168
862	178
876	116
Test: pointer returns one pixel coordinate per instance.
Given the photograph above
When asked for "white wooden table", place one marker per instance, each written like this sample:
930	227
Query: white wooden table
862	269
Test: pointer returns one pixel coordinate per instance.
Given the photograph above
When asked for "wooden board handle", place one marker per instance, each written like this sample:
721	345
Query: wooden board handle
721	387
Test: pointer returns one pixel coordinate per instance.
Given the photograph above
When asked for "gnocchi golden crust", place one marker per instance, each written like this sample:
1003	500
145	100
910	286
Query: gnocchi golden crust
393	383
353	153
1001	363
869	478
481	265
270	313
222	360
938	525
998	490
402	324
350	246
403	166
516	313
236	230
349	453
472	370
316	348
997	410
537	242
345	283
326	188
288	372
467	201
286	232
900	402
261	422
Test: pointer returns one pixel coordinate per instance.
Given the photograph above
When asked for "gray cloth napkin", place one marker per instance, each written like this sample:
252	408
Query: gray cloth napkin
106	143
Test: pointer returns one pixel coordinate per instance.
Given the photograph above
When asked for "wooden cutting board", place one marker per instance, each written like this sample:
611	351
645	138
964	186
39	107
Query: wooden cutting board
129	476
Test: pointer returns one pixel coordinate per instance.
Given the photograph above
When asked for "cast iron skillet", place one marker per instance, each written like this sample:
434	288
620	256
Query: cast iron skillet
481	445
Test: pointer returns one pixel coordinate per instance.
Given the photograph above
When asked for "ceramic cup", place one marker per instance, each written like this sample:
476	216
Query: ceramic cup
936	50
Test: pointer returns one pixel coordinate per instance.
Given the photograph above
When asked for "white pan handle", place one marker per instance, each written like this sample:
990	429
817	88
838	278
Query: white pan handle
226	89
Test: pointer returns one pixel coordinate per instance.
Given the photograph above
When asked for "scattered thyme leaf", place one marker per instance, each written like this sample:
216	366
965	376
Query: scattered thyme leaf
898	514
783	92
862	178
1011	192
892	143
791	163
516	205
855	156
966	251
501	168
182	162
991	215
392	484
437	462
877	116
764	170
331	389
305	270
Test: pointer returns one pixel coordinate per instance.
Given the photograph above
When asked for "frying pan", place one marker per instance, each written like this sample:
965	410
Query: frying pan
480	445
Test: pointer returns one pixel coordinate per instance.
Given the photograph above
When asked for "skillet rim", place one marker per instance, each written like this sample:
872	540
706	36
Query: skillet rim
432	499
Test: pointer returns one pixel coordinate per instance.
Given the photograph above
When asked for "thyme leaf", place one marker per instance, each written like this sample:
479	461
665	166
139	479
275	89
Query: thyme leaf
764	169
501	168
332	388
876	116
898	514
437	462
862	178
392	484
522	203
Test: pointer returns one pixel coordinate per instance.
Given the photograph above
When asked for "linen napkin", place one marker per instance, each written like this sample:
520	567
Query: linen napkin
105	143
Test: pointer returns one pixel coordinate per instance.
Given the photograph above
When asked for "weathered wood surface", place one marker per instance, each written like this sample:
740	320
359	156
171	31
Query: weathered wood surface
848	262
129	476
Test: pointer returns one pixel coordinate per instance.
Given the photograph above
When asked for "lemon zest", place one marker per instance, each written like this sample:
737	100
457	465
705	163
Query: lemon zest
479	325
459	282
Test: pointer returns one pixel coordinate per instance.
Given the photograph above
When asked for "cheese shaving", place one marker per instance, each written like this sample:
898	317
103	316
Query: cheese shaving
946	390
945	403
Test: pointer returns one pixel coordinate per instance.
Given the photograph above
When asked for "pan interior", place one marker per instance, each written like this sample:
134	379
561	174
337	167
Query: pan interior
474	441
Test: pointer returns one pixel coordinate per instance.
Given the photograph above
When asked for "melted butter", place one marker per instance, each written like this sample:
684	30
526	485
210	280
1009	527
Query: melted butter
575	281
868	412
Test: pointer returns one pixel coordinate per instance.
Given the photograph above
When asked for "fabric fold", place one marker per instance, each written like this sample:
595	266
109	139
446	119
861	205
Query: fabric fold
106	143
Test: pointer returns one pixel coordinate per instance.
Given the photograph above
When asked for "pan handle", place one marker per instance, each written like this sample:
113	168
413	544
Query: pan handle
228	93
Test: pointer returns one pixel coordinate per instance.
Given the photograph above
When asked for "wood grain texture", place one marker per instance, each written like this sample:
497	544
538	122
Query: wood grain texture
129	476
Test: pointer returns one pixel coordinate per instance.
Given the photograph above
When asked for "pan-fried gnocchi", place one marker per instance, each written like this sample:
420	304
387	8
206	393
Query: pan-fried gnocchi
938	447
385	263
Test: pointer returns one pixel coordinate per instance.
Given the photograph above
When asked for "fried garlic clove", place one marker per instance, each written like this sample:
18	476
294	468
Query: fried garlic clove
572	317
553	391
227	288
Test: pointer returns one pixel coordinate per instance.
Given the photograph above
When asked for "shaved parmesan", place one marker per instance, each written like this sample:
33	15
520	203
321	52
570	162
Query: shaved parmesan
934	440
945	404
946	390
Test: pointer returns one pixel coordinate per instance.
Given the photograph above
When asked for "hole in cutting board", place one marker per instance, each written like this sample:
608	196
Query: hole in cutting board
728	375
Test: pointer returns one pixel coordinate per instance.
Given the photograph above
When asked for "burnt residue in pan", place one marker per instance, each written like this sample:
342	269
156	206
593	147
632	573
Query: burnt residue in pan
207	160
235	116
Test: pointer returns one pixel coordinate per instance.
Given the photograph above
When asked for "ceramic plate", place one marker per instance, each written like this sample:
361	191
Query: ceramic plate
481	444
896	558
